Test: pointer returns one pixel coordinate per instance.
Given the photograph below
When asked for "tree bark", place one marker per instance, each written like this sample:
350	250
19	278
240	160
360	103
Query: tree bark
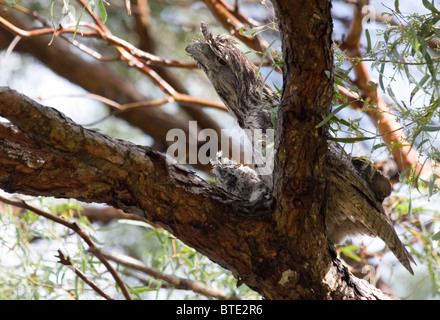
299	177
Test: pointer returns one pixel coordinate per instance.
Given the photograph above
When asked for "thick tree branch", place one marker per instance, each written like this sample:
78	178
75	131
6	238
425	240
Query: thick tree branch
100	80
44	153
47	154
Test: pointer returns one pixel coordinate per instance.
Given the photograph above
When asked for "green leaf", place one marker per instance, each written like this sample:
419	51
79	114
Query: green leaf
429	6
351	140
273	114
188	262
348	250
264	56
391	94
335	111
436	236
378	146
396	6
402	175
367	35
381	71
430	128
431	184
374	85
51	10
102	11
419	85
264	81
254	31
77	24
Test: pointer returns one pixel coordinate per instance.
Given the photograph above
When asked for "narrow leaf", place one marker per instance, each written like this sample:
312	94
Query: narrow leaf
381	71
430	128
396	6
429	6
264	56
348	250
367	35
351	140
102	11
419	86
335	111
254	31
431	184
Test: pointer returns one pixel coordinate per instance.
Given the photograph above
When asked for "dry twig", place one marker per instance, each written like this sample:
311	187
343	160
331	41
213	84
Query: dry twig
381	115
177	282
75	227
68	262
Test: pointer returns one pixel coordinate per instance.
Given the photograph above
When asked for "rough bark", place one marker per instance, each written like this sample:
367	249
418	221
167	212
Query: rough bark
305	29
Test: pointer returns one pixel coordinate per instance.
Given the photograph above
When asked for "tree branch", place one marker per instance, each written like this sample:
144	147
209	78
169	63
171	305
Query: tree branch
74	226
177	282
47	154
102	81
68	262
382	117
299	177
232	22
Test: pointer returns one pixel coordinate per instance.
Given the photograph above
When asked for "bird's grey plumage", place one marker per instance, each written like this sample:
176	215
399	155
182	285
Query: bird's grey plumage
248	98
237	179
355	190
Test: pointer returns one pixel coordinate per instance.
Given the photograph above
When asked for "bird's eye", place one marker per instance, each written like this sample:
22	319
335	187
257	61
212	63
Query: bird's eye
221	61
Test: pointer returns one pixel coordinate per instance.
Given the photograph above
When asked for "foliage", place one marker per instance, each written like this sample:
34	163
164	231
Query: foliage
29	269
403	52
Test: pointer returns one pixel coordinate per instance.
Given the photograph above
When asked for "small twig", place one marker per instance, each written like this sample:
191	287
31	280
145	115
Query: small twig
382	117
75	227
177	282
95	17
68	262
120	108
232	22
126	56
236	11
10	49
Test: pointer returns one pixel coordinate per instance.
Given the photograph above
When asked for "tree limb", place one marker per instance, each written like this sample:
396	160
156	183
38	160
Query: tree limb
74	226
44	153
381	116
177	282
68	262
48	154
